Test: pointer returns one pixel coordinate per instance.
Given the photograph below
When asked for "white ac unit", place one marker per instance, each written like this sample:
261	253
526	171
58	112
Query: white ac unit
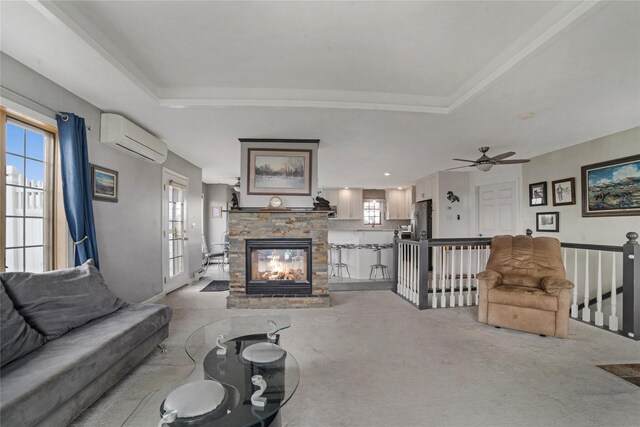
118	132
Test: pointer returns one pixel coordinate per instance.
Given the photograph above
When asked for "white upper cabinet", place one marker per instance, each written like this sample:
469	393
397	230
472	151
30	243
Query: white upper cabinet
331	194
398	204
348	203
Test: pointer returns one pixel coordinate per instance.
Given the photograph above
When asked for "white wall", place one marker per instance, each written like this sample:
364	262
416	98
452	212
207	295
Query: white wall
254	201
128	232
453	218
566	163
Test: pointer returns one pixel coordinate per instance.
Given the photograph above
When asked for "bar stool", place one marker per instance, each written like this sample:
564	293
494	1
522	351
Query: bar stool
378	265
338	266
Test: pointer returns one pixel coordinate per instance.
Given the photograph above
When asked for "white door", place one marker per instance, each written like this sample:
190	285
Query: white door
174	230
497	209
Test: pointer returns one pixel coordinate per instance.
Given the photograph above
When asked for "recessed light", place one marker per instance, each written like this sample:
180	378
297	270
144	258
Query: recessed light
399	188
346	188
526	116
387	174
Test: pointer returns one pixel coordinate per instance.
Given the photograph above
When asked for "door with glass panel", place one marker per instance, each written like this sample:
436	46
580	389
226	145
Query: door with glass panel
174	231
27	154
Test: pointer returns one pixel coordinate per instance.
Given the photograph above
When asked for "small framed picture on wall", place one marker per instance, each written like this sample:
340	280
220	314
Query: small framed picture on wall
564	192
216	211
538	194
548	221
104	184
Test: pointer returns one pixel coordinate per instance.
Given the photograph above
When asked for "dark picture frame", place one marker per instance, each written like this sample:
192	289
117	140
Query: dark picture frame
564	192
276	171
538	194
548	222
104	184
611	188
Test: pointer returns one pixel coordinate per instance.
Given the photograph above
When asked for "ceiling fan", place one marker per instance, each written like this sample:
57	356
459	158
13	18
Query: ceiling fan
485	163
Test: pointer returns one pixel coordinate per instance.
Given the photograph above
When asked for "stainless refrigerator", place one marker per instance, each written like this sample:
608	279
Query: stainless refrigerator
421	220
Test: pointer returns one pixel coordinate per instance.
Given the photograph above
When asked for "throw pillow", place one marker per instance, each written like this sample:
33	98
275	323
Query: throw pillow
57	301
16	337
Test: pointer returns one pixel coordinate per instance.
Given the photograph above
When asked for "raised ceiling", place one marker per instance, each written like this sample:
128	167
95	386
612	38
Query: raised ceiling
399	87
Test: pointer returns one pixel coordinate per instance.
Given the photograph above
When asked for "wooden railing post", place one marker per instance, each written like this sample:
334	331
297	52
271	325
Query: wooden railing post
423	274
396	238
631	287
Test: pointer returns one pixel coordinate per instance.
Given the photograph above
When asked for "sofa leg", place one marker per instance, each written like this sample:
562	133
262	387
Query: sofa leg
497	327
542	335
162	349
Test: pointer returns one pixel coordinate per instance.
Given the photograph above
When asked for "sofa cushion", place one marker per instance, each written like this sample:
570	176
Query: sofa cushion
16	337
522	296
44	379
57	301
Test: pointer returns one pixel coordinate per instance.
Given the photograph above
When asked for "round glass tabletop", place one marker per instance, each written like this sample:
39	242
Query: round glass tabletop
216	350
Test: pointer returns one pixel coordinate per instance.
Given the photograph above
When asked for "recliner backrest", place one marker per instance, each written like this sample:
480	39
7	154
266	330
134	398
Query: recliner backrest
525	260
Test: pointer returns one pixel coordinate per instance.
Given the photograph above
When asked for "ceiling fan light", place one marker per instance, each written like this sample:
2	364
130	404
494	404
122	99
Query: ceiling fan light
484	167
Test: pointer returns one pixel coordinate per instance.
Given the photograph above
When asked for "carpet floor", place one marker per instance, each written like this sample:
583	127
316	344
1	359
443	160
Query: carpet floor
374	360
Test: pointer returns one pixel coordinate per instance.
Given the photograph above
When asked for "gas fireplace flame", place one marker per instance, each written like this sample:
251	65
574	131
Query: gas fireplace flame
278	270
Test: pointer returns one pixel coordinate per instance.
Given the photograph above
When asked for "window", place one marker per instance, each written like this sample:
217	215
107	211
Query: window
372	212
27	190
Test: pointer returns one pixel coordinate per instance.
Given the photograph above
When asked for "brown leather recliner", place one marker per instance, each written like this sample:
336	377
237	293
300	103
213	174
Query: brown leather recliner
524	286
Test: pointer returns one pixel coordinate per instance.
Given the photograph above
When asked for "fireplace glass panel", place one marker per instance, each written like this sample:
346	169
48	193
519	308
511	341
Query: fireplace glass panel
279	264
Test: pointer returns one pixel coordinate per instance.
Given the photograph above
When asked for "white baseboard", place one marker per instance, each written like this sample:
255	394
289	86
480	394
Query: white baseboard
154	299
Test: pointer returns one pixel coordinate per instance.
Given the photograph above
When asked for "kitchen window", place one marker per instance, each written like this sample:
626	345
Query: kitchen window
372	212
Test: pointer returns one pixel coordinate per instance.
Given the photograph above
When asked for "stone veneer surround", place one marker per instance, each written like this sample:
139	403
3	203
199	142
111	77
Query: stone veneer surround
256	224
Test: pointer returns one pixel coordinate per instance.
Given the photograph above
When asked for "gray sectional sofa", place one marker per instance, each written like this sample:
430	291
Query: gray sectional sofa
68	366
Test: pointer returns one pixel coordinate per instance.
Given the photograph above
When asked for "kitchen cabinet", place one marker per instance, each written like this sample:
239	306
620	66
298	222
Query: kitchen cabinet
349	204
426	188
398	204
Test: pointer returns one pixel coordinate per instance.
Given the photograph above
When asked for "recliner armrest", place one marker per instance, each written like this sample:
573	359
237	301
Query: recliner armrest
490	278
555	285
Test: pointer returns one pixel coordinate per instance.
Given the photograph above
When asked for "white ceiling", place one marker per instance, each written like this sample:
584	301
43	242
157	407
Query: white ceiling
399	87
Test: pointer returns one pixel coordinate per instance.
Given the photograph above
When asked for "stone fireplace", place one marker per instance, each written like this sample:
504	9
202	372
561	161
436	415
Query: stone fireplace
278	259
278	266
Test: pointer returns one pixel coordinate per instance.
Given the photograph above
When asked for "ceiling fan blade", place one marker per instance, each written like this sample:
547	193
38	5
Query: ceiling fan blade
460	167
463	160
503	155
512	162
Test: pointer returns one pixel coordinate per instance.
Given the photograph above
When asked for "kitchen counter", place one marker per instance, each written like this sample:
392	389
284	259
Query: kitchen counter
361	260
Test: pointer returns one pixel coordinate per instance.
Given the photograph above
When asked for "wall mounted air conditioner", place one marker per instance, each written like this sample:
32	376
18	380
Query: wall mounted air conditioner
118	132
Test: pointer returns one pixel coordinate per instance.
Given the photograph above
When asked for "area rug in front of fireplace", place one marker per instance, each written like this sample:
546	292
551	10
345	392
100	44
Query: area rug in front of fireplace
216	286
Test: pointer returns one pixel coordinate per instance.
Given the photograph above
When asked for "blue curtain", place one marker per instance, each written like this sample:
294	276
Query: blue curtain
76	186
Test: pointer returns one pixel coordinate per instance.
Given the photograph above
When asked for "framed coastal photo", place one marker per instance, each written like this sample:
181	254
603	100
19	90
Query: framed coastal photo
216	211
538	194
611	188
104	184
279	171
548	221
564	192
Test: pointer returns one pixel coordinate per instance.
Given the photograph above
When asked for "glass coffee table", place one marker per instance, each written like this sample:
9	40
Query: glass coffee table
241	373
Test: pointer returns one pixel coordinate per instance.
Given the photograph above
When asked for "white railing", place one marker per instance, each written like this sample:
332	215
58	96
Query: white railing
442	273
596	272
408	270
454	274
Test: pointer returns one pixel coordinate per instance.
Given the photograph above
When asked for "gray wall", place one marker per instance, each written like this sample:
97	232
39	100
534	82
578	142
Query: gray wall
215	195
128	232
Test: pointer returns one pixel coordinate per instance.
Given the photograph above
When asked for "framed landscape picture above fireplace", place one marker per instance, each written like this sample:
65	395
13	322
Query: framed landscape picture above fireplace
279	171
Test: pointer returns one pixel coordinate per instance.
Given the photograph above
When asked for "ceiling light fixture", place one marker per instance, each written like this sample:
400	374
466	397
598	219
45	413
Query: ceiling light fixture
387	174
346	188
484	167
399	188
526	116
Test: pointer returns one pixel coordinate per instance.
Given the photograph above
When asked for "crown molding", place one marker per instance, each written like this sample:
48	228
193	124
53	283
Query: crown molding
558	20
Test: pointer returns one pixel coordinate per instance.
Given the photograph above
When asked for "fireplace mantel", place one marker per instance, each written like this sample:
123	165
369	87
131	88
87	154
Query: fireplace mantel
254	224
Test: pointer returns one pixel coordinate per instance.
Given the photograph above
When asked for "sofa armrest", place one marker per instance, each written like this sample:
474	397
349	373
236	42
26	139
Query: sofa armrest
490	278
554	285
